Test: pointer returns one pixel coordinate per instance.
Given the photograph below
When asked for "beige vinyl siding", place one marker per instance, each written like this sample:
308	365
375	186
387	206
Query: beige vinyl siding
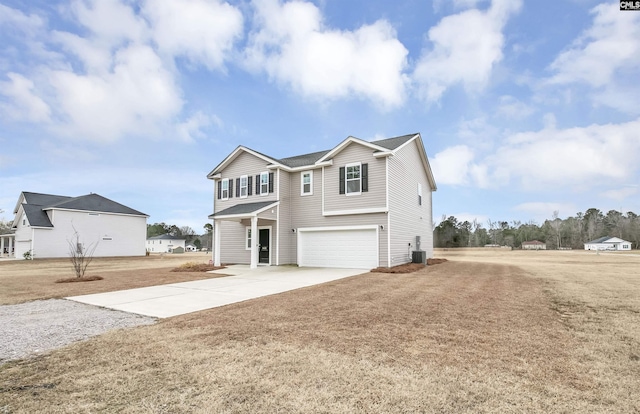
407	218
374	198
285	248
232	242
244	164
307	212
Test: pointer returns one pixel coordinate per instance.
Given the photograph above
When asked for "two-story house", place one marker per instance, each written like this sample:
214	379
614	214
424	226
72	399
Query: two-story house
46	225
359	205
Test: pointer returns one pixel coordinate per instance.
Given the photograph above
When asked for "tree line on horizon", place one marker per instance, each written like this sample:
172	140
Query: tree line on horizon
185	232
571	232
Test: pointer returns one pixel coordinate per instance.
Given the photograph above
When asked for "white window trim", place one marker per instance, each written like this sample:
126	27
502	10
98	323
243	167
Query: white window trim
247	240
223	181
302	174
246	186
346	180
262	174
419	194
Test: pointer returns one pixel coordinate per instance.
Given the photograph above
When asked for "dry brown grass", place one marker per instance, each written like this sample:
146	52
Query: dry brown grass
22	281
80	279
484	332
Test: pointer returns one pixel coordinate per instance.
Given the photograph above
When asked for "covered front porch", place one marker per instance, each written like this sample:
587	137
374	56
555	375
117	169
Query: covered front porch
261	221
7	245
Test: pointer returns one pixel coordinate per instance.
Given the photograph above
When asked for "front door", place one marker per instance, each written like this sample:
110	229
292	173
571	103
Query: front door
263	254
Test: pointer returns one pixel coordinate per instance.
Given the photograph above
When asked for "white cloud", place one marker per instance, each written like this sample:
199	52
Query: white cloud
544	210
294	48
605	58
25	105
203	31
620	194
137	97
466	47
574	158
513	108
610	44
452	166
20	21
191	129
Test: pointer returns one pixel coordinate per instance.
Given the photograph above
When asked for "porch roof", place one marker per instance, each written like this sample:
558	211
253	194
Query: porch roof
244	210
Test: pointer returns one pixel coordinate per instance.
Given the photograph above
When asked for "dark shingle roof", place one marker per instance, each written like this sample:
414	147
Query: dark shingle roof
393	143
242	209
36	216
302	160
36	204
97	203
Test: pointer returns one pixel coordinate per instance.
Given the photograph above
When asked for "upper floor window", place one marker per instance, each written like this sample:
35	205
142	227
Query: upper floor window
306	183
419	194
244	186
354	179
224	189
264	183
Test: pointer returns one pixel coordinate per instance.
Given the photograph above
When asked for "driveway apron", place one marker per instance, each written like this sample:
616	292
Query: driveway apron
244	283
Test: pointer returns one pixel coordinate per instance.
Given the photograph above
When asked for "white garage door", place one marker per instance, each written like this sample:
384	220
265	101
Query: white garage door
348	248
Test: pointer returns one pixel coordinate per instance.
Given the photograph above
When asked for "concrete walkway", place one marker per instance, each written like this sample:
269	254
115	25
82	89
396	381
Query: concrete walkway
164	301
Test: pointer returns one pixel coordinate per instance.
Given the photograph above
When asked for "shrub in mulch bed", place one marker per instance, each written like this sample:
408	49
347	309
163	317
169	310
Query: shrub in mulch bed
408	267
196	267
79	279
435	261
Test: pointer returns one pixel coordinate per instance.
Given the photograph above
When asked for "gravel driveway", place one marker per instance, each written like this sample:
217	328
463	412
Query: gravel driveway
35	327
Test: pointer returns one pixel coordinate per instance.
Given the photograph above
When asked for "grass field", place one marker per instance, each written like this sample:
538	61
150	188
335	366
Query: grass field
487	331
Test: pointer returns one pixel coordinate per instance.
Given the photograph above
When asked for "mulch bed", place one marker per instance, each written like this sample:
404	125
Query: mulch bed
199	267
79	279
408	267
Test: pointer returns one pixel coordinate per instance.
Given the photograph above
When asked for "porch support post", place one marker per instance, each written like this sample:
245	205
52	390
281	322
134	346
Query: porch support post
254	242
1	246
11	247
216	242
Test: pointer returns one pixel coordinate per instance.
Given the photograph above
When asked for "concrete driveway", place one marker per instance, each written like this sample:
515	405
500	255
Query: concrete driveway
179	298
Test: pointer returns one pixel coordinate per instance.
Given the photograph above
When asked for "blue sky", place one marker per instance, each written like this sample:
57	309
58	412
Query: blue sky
525	107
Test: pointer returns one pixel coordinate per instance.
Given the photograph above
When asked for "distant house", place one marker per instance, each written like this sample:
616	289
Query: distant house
165	243
608	243
45	225
534	245
191	248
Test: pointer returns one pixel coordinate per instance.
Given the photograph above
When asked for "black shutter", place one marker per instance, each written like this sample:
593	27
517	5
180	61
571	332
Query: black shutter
258	184
237	187
342	181
230	187
219	190
249	185
271	182
364	173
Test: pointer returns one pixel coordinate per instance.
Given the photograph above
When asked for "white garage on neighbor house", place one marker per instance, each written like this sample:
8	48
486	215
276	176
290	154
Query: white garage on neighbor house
608	243
45	226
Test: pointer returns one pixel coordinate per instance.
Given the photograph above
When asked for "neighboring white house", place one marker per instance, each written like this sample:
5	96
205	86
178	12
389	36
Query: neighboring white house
165	243
608	243
191	248
534	245
45	225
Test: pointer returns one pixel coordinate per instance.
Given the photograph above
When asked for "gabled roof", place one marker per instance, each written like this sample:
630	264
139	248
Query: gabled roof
383	147
607	239
35	206
96	203
536	242
166	237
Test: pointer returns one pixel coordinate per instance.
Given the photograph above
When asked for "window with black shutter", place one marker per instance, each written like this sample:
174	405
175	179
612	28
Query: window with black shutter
237	187
271	182
365	177
230	181
250	185
342	181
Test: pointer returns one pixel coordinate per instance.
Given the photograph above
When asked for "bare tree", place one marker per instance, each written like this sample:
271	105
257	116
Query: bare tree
556	224
80	255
